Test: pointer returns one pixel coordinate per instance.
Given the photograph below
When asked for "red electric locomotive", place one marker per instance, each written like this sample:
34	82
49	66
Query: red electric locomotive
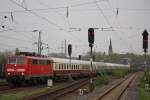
24	68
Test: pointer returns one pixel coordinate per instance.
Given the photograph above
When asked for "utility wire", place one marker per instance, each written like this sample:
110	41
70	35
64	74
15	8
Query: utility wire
52	8
34	13
16	46
117	12
105	17
41	16
10	37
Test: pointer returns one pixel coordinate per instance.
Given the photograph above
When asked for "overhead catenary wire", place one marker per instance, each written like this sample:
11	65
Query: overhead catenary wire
14	38
116	11
81	28
51	8
105	17
60	28
10	45
34	13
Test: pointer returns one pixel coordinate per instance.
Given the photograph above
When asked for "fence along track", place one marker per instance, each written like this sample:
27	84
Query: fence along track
116	91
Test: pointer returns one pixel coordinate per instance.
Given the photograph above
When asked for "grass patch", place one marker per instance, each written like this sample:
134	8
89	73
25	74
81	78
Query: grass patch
2	81
119	72
143	94
21	94
102	79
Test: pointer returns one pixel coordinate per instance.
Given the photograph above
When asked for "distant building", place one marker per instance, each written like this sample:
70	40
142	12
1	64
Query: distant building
110	50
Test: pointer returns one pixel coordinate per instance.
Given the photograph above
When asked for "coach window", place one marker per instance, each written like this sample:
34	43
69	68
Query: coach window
65	66
59	66
70	67
62	67
56	66
42	62
34	61
48	62
74	66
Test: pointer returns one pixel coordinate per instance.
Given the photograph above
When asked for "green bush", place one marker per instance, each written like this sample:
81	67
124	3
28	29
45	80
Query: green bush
102	80
119	72
145	79
144	95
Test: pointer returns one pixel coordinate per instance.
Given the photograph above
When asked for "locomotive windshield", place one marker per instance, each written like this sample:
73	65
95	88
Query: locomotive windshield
16	60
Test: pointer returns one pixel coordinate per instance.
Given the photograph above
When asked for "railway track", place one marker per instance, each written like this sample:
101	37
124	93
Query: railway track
116	91
52	95
8	89
4	87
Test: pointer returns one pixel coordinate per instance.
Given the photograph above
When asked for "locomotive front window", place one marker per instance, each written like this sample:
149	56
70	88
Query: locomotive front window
20	60
16	60
12	60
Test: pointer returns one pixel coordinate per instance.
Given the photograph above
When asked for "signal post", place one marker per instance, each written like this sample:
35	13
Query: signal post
69	53
145	47
91	42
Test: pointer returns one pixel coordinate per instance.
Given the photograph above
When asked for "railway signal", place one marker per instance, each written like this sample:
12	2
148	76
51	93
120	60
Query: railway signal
145	47
91	42
79	57
69	53
69	49
145	40
91	36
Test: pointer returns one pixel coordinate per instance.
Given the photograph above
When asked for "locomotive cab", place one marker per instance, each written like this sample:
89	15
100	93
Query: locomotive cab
28	69
15	68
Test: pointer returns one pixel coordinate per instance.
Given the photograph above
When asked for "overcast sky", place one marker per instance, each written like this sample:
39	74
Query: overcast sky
121	20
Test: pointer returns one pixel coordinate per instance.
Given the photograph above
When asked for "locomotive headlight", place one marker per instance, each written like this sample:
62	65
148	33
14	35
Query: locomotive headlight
8	73
22	73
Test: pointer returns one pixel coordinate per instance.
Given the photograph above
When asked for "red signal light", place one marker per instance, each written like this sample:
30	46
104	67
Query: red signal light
91	35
